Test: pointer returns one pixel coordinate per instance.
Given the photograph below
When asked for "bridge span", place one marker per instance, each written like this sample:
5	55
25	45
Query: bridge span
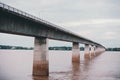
15	21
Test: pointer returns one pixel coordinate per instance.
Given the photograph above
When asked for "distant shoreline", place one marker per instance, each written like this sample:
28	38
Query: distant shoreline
64	48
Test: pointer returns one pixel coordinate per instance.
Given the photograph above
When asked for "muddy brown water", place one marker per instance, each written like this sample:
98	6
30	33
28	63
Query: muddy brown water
17	65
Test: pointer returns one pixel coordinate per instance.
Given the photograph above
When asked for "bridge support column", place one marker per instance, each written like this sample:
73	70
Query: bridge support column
102	50
40	61
98	51
92	51
75	52
87	52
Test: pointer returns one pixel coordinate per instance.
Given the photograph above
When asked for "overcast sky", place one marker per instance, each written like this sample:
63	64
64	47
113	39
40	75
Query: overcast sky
98	20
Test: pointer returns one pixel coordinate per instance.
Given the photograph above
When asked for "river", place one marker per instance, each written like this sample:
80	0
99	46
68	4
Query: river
17	65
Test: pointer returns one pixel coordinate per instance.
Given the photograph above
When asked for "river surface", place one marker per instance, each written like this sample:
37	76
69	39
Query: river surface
17	65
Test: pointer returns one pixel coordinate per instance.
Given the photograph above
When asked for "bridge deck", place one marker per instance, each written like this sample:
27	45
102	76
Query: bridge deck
16	21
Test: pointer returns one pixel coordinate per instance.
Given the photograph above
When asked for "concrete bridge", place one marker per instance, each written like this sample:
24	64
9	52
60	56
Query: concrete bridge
14	21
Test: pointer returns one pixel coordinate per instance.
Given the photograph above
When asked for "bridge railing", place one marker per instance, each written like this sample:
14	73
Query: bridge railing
19	11
4	6
24	14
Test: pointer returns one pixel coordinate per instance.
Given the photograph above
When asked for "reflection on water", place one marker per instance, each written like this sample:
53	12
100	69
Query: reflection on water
17	65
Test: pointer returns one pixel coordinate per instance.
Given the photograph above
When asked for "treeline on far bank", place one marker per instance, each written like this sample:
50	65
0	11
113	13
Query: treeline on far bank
31	48
81	48
50	48
63	48
15	47
113	49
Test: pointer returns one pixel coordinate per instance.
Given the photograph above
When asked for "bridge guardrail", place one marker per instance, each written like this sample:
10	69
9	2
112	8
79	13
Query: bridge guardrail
24	13
4	6
31	16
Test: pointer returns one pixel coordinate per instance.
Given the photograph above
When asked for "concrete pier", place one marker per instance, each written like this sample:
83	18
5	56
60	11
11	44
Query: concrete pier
92	51
87	52
40	61
75	53
98	51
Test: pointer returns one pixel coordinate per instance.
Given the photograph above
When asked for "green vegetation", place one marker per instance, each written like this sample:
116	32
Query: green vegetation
50	48
60	48
63	48
26	48
113	49
14	47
